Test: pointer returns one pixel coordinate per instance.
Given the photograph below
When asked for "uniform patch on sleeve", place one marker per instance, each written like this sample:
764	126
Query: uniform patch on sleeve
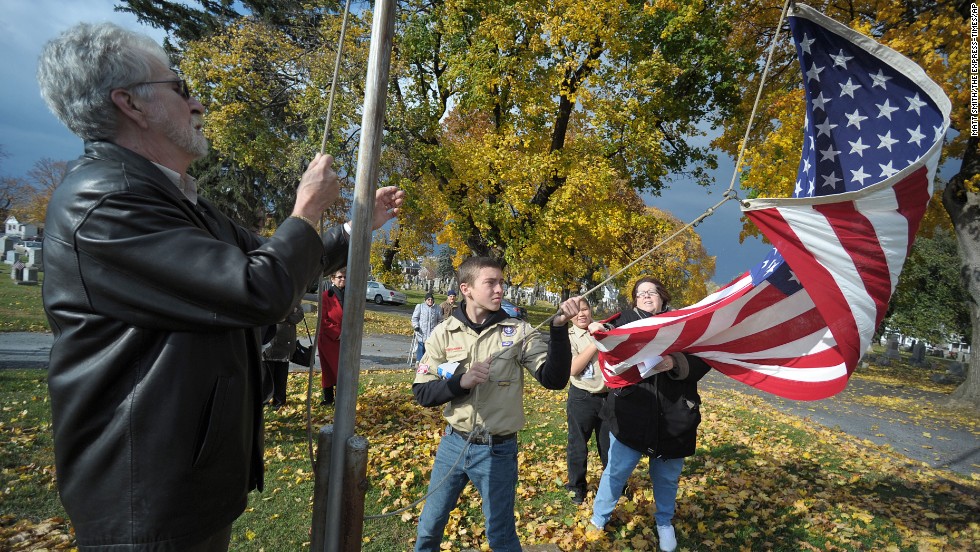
506	343
509	330
422	369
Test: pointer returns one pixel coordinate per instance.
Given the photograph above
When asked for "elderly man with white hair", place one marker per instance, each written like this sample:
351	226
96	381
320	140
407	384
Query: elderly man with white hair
157	301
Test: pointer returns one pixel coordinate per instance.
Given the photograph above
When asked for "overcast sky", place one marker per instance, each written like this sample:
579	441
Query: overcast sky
29	132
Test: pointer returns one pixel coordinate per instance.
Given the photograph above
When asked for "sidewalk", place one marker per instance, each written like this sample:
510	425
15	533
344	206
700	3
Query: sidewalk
21	350
923	438
378	352
25	350
920	438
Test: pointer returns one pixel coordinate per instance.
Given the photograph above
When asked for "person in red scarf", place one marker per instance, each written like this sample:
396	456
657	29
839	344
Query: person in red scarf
328	345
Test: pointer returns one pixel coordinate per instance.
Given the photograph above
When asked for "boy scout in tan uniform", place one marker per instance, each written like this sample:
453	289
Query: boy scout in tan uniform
586	393
474	363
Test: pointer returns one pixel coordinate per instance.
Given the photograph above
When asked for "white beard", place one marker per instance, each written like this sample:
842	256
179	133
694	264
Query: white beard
186	137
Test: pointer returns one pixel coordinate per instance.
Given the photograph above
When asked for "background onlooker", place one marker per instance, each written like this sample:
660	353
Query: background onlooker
276	356
329	341
425	318
449	304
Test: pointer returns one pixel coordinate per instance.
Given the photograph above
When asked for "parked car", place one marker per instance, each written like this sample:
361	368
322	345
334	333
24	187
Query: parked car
377	292
513	310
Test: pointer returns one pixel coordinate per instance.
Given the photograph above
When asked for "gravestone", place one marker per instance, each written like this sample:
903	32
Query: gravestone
955	373
29	276
35	257
7	243
891	347
11	257
956	369
17	271
918	353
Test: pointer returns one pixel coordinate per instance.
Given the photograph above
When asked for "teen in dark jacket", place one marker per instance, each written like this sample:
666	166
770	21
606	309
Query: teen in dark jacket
652	411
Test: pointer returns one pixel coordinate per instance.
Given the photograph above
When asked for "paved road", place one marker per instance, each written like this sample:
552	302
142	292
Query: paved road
853	411
31	350
25	350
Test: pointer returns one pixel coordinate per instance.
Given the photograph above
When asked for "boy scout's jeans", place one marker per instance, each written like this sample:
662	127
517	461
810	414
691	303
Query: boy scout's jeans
664	474
493	471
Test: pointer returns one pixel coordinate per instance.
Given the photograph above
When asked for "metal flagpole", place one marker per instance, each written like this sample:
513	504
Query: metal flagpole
358	260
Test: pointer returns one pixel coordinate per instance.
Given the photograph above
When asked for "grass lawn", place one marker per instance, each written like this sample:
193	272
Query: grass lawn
759	481
20	305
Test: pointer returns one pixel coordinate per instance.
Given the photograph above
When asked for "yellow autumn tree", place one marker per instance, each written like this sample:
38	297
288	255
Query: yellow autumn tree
523	124
41	181
264	83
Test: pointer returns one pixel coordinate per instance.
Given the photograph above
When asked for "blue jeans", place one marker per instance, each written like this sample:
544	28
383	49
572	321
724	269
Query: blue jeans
664	474
493	471
419	351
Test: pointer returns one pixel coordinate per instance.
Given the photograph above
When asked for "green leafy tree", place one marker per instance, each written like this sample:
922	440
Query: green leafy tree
516	128
929	302
446	268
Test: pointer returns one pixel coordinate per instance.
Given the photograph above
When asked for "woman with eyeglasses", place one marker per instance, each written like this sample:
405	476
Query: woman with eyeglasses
328	345
652	409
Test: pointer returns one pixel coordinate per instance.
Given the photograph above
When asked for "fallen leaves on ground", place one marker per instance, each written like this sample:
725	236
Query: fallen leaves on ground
760	480
47	534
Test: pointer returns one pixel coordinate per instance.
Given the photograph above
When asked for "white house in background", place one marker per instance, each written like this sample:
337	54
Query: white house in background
15	228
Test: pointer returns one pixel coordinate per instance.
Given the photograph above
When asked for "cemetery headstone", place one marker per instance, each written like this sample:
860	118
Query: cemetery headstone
17	271
35	257
29	276
7	243
918	353
891	347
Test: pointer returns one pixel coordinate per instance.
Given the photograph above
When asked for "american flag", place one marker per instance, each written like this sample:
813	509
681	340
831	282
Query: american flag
798	323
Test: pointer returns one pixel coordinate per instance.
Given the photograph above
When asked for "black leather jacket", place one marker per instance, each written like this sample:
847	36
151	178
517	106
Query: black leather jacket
155	371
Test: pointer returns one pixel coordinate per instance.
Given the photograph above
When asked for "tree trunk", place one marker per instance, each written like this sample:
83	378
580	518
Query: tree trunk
962	201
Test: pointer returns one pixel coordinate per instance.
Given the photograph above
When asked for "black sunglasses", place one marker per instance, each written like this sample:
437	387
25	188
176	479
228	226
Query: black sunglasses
181	86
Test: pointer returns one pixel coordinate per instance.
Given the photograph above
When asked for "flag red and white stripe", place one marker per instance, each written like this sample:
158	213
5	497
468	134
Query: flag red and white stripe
798	323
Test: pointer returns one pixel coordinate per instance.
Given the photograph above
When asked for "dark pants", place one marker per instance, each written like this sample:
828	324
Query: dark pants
280	373
218	542
583	409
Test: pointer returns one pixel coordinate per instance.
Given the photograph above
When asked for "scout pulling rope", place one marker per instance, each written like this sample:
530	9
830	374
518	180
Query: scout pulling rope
729	194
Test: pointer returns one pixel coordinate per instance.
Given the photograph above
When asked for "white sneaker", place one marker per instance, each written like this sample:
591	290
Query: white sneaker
668	540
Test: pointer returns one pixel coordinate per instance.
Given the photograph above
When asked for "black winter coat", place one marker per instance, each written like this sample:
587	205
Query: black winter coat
658	416
155	371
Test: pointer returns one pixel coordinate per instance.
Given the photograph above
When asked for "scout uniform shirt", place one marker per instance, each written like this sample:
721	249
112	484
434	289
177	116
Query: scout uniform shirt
589	379
498	404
